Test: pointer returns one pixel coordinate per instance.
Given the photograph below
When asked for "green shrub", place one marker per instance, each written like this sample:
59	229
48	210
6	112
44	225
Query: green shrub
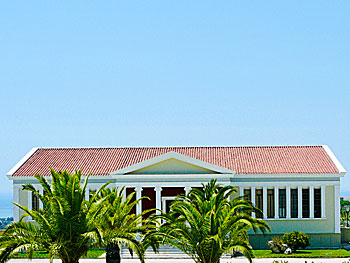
278	242
296	240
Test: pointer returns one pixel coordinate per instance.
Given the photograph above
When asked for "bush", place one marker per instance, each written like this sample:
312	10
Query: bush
296	240
278	242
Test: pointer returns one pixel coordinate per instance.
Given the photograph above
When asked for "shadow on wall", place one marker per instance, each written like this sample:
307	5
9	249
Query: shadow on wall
345	234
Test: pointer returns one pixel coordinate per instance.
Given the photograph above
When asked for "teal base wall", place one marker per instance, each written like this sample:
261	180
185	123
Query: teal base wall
259	241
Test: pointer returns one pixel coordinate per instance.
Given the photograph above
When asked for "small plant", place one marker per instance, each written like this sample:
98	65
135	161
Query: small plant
296	240
278	242
282	261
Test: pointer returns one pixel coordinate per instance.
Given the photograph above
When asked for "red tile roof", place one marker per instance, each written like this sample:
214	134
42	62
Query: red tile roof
242	160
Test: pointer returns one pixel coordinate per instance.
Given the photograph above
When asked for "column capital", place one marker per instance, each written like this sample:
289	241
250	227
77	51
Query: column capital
187	189
158	188
138	189
17	186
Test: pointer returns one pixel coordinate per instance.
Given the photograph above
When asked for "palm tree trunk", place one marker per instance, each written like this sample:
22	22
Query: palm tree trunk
112	253
66	260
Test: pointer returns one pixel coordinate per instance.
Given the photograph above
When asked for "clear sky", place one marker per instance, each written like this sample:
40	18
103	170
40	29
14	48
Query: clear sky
139	73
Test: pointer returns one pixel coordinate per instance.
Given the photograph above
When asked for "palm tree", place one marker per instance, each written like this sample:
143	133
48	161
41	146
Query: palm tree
64	228
206	224
119	226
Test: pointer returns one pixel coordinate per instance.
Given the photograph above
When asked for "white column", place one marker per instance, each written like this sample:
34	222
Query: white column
311	192
16	200
29	196
288	202
138	190
241	191
41	192
252	192
323	201
276	203
158	190
87	190
187	189
337	208
29	200
265	202
300	202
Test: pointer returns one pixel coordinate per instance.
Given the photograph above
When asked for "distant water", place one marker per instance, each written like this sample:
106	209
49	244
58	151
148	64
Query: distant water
6	206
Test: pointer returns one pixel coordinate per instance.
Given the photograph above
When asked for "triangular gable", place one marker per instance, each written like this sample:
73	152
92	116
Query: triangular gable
173	163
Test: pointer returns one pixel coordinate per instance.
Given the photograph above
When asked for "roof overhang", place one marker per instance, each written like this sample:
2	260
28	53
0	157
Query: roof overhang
21	162
335	160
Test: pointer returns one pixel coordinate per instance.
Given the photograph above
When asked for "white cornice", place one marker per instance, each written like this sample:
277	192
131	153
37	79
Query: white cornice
21	162
177	156
287	175
335	160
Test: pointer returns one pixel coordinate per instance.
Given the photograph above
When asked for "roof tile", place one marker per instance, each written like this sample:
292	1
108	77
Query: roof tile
242	160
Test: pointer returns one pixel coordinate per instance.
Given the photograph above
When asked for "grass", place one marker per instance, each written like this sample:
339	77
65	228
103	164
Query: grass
307	253
42	254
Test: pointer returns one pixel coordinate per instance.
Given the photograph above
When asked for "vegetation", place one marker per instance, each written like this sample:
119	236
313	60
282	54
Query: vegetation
64	229
203	224
118	226
206	224
296	240
43	254
343	213
4	222
307	253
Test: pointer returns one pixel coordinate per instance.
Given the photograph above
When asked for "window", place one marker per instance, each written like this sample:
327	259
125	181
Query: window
317	203
270	203
247	194
306	203
259	202
282	203
35	202
294	203
166	203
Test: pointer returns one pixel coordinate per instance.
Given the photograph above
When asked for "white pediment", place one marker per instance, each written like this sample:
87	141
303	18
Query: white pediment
173	163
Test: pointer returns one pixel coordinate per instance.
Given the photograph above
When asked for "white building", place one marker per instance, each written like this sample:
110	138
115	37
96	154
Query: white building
296	187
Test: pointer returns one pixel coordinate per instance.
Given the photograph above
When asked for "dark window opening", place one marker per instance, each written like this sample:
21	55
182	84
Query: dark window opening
270	203
259	202
35	202
294	203
317	203
282	203
306	203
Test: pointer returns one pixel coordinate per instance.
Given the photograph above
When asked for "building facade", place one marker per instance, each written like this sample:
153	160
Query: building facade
296	187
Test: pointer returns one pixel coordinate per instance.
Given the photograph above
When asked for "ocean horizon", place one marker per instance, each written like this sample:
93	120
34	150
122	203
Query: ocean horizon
6	206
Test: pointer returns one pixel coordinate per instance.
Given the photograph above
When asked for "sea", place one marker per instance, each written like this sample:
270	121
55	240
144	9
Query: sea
6	206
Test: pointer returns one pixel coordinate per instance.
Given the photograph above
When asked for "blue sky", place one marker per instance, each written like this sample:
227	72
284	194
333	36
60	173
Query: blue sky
130	73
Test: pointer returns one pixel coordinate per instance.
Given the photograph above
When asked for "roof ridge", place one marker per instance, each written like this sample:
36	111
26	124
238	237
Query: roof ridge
203	146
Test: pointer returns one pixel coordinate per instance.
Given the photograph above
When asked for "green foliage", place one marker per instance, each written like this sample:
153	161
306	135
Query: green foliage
205	224
118	226
64	228
307	253
279	243
296	240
